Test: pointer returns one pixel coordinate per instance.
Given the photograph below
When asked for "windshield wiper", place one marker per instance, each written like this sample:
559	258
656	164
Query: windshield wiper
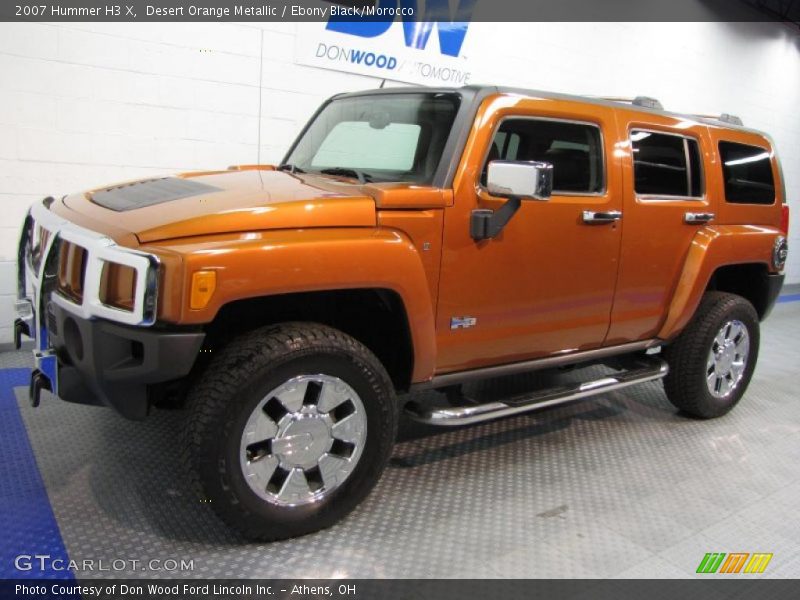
360	175
290	167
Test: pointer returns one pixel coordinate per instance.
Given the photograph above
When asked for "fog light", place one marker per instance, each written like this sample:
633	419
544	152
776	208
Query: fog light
203	285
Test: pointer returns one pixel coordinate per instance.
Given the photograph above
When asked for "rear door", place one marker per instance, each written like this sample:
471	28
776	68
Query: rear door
666	202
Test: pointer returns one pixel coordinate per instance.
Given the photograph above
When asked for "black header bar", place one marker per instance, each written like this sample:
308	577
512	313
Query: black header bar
710	587
388	10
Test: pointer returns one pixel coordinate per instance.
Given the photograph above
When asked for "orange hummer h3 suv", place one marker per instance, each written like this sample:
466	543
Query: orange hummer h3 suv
412	238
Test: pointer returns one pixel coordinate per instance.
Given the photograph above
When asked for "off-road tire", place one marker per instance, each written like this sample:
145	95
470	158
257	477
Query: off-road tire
687	356
233	385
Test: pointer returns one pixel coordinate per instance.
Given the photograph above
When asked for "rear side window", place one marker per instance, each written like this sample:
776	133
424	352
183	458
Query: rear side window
747	171
574	150
666	165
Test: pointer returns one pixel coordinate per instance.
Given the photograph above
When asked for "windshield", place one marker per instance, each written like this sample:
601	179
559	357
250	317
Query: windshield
392	137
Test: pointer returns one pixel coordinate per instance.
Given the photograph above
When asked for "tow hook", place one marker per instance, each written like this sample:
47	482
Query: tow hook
39	382
20	329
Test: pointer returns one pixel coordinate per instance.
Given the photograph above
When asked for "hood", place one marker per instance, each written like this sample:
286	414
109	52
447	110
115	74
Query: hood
244	199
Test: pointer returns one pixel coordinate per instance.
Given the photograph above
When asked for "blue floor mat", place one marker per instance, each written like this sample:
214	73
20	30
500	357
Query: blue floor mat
30	546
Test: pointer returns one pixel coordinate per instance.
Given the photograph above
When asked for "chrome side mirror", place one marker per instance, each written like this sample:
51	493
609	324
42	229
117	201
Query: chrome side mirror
523	179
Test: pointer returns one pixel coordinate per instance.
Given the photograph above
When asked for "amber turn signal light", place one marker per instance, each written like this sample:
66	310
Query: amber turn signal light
203	285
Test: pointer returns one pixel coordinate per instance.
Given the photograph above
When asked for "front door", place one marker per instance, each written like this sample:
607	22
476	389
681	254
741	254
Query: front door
545	285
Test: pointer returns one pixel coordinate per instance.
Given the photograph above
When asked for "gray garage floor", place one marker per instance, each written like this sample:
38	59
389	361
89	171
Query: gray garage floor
620	486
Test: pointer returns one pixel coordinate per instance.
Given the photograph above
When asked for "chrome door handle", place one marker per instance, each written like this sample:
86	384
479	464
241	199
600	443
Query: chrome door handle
608	216
698	218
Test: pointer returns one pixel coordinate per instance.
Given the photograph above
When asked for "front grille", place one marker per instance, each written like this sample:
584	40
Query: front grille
71	271
62	262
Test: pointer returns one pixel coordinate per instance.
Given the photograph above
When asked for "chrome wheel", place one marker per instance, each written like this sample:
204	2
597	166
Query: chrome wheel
727	359
303	440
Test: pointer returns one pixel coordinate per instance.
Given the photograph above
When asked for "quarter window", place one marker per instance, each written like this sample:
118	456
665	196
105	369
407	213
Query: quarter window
574	150
666	165
747	171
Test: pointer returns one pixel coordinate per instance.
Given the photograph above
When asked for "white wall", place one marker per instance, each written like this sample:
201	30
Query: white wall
83	105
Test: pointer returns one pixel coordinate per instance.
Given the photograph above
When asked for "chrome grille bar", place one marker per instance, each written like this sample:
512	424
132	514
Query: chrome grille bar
99	250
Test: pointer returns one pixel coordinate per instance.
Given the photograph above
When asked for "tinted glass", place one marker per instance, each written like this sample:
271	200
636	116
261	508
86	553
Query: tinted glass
697	169
573	149
660	167
747	171
392	137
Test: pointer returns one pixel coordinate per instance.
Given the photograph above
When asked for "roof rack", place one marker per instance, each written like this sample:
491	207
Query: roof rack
723	118
643	101
648	102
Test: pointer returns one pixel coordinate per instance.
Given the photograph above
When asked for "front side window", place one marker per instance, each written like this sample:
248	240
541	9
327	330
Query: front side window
574	149
392	137
747	171
666	165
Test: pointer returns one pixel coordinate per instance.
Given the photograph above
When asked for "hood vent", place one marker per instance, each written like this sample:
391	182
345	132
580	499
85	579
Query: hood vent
149	192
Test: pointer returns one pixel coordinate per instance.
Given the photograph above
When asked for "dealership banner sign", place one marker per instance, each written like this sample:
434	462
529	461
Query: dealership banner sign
400	40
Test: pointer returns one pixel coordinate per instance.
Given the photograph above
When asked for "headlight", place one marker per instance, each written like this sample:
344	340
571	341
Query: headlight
118	286
71	271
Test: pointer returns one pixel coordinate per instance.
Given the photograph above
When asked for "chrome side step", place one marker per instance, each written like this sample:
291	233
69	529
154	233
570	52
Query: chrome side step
647	369
547	362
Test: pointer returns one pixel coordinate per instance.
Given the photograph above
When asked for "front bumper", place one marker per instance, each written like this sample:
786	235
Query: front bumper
87	351
103	363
